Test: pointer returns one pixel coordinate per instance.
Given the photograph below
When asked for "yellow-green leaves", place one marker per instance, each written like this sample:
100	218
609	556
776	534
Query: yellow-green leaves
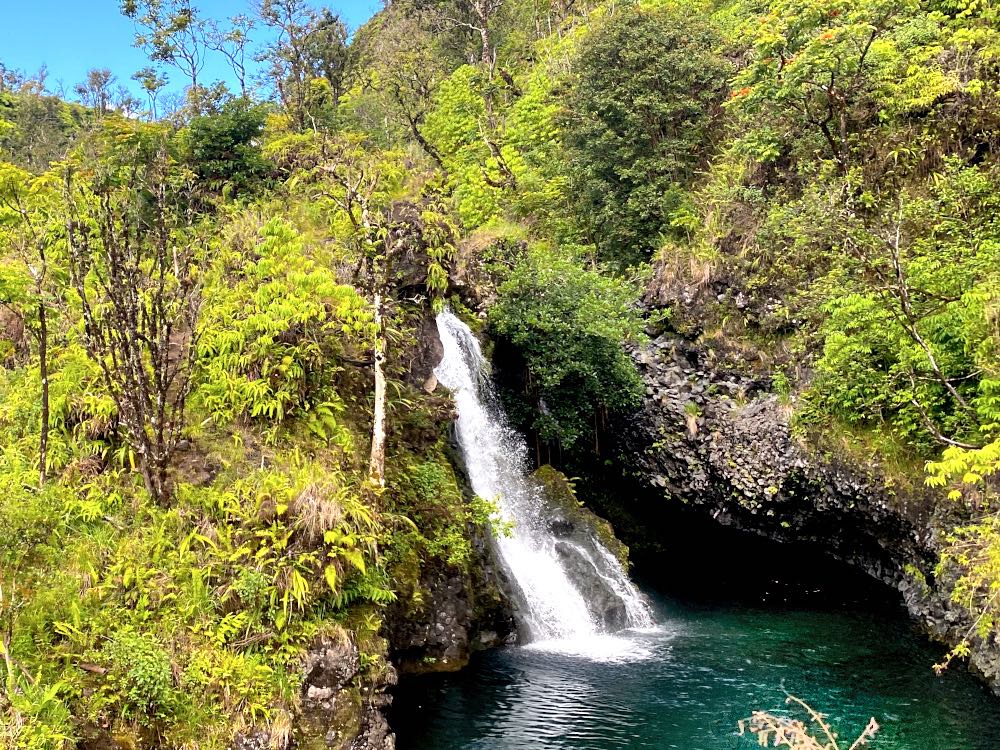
967	467
330	574
270	337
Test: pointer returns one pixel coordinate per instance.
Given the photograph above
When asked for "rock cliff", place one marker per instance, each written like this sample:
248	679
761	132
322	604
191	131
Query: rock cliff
718	441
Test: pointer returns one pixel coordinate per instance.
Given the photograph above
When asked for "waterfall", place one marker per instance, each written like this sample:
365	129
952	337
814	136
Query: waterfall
569	589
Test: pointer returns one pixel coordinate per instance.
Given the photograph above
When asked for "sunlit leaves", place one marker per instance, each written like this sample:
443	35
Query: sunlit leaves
270	339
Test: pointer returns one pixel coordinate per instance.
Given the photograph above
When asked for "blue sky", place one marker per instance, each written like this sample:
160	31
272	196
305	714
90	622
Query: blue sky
72	36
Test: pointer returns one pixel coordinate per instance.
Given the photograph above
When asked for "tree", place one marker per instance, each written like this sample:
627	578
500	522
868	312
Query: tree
327	51
484	11
232	43
827	71
152	82
569	324
37	128
287	69
475	16
29	216
95	91
479	18
223	147
125	102
907	336
406	68
132	257
11	79
640	124
306	64
358	182
173	33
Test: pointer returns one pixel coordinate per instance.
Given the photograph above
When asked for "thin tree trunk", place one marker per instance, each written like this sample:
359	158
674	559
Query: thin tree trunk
43	372
376	467
910	320
418	136
486	54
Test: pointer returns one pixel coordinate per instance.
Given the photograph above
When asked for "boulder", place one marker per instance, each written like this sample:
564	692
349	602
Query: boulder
583	539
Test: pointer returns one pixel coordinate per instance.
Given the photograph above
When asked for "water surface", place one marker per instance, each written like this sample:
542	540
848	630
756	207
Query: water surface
687	684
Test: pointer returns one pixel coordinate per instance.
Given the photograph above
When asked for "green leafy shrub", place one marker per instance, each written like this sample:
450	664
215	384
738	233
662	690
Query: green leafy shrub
36	719
142	676
223	148
233	681
569	324
916	354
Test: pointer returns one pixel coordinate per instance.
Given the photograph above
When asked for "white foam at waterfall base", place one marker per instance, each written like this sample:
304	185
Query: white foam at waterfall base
554	611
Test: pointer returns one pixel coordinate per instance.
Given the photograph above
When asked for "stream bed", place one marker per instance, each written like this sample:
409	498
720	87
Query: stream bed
687	683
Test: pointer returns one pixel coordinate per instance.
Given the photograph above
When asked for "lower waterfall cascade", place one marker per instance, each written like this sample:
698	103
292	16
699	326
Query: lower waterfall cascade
565	590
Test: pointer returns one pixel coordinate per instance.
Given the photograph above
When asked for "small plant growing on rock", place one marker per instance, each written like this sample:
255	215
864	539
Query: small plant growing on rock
691	413
786	731
141	674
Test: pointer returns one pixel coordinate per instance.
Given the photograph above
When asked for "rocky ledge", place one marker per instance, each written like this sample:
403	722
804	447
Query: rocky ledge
342	702
457	613
718	441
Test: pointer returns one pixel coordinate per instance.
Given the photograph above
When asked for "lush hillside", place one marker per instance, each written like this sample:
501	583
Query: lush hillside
216	443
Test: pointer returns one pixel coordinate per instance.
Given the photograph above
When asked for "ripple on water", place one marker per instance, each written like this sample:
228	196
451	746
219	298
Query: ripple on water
687	684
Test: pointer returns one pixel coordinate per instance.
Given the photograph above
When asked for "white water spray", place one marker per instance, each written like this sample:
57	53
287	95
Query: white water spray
555	609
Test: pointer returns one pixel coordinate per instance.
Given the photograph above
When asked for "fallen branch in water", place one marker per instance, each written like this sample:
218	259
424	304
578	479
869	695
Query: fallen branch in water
785	731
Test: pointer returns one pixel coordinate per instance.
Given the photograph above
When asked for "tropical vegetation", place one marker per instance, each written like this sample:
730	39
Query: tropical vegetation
213	446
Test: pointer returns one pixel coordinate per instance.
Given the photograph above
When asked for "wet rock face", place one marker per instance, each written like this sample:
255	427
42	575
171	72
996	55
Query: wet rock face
436	635
459	612
570	519
407	250
426	355
342	709
579	535
330	664
473	273
716	440
452	612
605	606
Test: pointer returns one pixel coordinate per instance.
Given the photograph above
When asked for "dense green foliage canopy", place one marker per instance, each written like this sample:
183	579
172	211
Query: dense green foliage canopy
236	283
643	120
569	324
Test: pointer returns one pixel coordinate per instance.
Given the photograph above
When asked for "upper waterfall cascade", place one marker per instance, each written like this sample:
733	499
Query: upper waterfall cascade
565	587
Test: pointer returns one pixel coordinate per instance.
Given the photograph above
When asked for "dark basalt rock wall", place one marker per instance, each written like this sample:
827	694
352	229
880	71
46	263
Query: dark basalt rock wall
700	439
340	709
458	613
718	442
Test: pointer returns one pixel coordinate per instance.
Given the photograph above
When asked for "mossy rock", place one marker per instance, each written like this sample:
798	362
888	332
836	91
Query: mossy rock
336	729
561	496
